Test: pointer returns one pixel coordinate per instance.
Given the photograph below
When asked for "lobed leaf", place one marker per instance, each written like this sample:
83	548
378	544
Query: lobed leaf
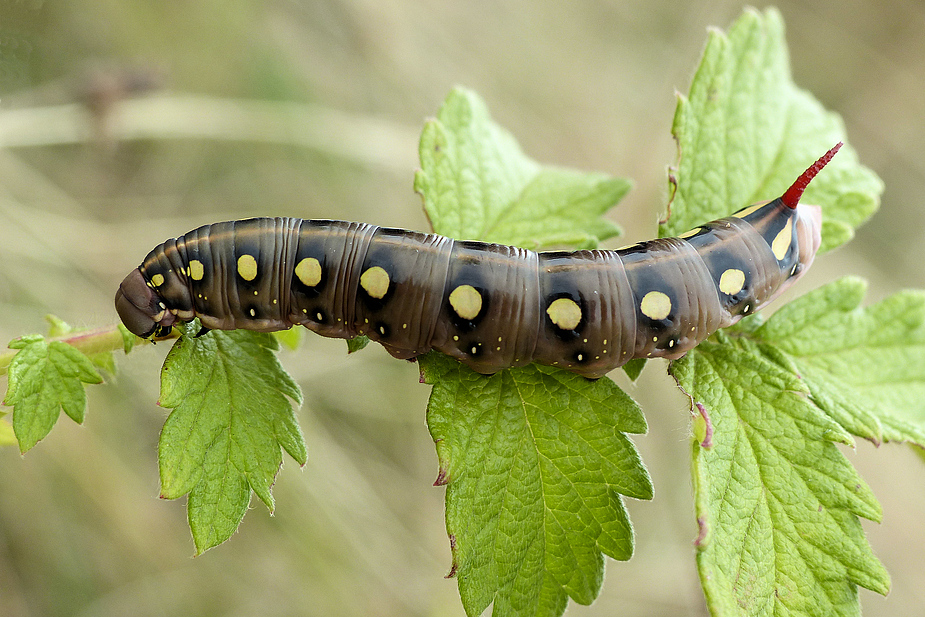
865	367
745	132
777	502
535	461
478	185
231	419
44	378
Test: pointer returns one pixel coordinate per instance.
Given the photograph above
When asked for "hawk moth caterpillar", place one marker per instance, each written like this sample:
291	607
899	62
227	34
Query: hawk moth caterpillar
490	306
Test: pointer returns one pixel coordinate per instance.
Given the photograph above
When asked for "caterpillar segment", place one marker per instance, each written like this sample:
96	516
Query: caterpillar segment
490	306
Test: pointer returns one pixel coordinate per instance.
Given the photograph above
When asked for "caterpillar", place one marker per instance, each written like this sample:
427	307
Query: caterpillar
488	305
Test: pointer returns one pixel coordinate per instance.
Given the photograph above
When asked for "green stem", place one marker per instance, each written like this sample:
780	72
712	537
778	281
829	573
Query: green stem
99	340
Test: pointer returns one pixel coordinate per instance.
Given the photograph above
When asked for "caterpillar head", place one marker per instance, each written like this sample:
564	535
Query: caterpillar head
141	309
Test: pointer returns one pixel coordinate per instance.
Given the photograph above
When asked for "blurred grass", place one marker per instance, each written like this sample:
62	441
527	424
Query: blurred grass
311	109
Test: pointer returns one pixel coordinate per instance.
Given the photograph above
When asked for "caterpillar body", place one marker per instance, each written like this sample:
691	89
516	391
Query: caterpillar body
490	306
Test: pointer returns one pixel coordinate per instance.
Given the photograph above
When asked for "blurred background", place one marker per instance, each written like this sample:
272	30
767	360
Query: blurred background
312	109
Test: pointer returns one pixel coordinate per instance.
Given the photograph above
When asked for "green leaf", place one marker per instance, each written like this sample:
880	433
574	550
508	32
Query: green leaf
478	185
291	338
745	132
777	502
357	343
128	339
231	419
45	377
634	367
865	367
535	461
536	458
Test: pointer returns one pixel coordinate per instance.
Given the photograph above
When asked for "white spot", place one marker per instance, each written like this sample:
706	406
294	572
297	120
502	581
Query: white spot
466	301
162	305
565	313
320	316
474	350
655	305
580	357
253	313
382	330
732	281
375	281
671	343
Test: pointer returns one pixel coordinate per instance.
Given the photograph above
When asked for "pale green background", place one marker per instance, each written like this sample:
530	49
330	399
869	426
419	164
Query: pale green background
360	531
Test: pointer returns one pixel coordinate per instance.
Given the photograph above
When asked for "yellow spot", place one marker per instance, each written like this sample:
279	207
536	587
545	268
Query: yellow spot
196	271
157	280
309	271
497	349
732	281
654	339
466	301
274	301
741	214
247	267
404	326
655	305
781	243
255	292
565	313
605	342
375	281
305	311
455	338
691	233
